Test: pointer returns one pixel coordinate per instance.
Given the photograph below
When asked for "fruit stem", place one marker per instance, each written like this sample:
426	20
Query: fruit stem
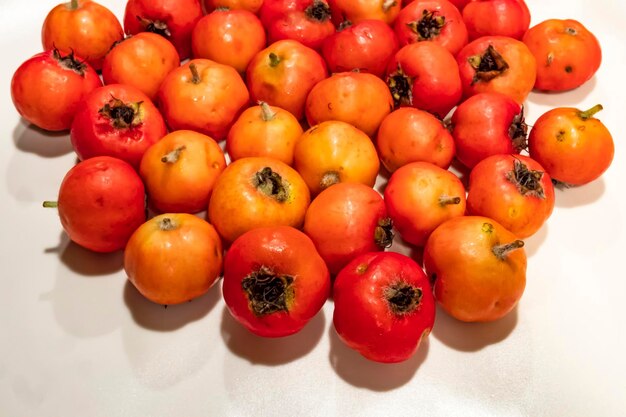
344	25
267	291
588	114
274	60
271	184
51	204
388	4
73	5
445	200
166	224
383	234
195	76
329	178
267	114
173	156
501	251
403	298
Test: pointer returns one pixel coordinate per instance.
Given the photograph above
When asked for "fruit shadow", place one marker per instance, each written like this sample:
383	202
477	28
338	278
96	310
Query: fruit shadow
271	351
534	242
571	98
31	139
577	196
472	337
364	373
158	317
85	262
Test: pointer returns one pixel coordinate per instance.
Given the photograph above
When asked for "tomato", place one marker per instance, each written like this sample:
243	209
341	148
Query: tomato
567	54
173	20
572	145
173	258
306	21
497	64
347	220
514	190
257	192
283	74
411	135
496	17
204	96
82	27
48	88
366	46
460	4
101	203
488	124
384	306
116	120
425	75
419	197
180	171
252	6
142	61
334	152
437	21
275	282
264	130
357	11
478	268
361	99
231	37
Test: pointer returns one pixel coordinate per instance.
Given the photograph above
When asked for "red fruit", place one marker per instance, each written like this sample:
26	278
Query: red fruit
496	17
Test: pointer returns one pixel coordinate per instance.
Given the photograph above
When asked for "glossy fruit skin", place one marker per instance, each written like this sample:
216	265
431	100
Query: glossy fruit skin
93	133
357	11
573	149
483	125
101	203
364	318
419	197
174	20
366	46
283	251
496	17
142	61
411	135
283	74
432	74
305	21
516	81
173	258
89	31
361	99
471	283
494	192
208	104
240	203
268	133
252	6
567	54
47	89
230	37
452	35
460	4
333	152
180	171
347	220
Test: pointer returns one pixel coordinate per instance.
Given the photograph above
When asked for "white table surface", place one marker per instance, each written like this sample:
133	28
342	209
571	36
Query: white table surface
77	340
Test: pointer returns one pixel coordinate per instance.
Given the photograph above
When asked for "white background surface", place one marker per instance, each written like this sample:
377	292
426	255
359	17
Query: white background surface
77	340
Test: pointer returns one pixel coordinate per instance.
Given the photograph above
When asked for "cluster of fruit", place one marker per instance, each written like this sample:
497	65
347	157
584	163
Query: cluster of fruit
291	210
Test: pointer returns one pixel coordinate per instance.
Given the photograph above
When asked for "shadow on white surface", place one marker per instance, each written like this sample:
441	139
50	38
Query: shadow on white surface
534	242
580	196
85	262
29	138
271	351
158	317
364	373
563	99
472	337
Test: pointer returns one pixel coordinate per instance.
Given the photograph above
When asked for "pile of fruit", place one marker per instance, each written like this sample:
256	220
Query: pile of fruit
277	117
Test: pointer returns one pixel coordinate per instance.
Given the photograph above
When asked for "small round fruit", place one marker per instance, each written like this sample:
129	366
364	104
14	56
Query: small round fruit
173	258
477	266
496	17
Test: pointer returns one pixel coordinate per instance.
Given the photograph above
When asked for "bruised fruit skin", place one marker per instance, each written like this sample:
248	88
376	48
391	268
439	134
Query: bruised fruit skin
275	282
478	268
383	306
173	258
567	54
572	145
514	190
347	220
101	203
